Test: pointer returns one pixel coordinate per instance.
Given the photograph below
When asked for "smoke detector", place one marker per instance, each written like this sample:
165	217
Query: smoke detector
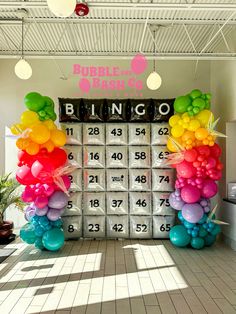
22	13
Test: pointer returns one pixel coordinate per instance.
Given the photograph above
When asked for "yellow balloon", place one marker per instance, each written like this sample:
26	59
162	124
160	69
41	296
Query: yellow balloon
174	120
171	146
29	117
39	133
17	129
50	124
194	125
177	131
58	138
204	116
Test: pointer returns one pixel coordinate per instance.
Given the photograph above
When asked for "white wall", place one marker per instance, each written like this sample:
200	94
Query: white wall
178	78
223	82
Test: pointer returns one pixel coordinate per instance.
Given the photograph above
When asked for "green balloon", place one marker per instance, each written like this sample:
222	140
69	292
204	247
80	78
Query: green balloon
34	101
49	110
179	236
42	113
53	116
48	101
53	239
200	103
197	243
195	93
182	103
27	233
209	239
208	96
196	110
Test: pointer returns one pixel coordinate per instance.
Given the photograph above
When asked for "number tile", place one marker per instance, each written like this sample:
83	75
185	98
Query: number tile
94	180
117	180
139	180
139	134
94	134
94	203
94	156
116	157
117	203
116	134
162	226
73	133
159	157
72	227
160	133
117	227
139	156
94	226
140	227
140	203
74	205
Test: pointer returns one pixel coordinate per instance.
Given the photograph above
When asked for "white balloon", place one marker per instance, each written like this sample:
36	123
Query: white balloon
62	8
23	69
154	81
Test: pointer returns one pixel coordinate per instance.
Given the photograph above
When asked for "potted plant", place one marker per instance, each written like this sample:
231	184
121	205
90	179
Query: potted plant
8	196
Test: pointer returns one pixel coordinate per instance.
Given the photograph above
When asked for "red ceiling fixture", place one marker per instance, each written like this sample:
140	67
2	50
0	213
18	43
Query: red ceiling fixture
81	9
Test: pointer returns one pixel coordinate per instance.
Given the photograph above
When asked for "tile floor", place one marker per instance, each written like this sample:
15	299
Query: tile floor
119	277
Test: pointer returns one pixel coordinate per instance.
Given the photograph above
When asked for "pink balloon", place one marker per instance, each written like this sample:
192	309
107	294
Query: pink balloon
138	63
209	188
190	194
41	201
185	169
48	189
66	181
24	176
84	85
42	170
27	195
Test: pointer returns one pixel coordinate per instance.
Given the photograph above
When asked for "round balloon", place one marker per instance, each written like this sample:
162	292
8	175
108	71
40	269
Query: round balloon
190	194
53	239
179	236
58	200
197	243
34	101
192	212
27	233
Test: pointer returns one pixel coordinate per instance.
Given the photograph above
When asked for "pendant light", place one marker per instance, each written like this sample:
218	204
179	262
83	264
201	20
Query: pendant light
154	80
22	68
62	8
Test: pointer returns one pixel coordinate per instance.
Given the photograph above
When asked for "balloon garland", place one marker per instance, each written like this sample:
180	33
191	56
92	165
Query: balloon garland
43	172
195	155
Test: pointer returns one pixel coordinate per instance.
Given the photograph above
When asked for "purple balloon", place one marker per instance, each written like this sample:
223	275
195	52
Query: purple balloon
192	212
29	212
58	200
41	211
176	202
54	214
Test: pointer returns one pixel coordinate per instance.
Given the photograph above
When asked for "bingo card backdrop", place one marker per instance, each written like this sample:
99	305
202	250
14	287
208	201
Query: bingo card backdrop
121	186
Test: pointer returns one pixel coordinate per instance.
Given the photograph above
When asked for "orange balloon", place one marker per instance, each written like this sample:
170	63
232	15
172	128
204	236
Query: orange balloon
188	135
49	146
58	138
201	134
33	148
39	134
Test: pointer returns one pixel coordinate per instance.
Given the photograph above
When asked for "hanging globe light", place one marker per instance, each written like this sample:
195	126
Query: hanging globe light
23	69
154	81
62	8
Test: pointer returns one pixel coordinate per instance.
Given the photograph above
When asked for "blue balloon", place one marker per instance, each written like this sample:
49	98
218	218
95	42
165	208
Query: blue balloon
179	236
27	233
53	239
209	239
197	243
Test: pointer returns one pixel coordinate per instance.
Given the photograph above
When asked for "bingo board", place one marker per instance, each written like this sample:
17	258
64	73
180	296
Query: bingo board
121	186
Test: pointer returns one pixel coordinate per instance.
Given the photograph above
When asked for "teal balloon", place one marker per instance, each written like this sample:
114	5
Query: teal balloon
38	243
197	243
209	239
34	101
202	232
203	219
53	239
179	236
27	233
189	224
195	93
216	229
182	103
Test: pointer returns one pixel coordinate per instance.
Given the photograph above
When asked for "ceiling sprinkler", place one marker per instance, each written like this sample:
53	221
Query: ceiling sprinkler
81	9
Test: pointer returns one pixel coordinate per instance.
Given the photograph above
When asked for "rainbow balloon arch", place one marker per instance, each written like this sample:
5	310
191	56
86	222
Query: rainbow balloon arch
43	171
195	155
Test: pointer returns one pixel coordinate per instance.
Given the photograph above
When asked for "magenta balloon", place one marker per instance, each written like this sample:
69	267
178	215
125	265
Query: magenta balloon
192	212
190	194
41	201
186	170
27	195
54	214
176	202
48	189
41	211
58	200
209	188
